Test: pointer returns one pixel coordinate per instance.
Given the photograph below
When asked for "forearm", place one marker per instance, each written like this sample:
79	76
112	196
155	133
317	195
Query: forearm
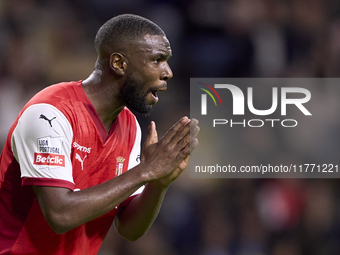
65	209
134	220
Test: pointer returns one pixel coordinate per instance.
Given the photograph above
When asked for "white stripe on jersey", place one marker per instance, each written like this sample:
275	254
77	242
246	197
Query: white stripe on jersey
134	159
135	152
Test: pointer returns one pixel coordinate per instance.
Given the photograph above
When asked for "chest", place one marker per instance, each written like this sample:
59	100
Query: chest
95	160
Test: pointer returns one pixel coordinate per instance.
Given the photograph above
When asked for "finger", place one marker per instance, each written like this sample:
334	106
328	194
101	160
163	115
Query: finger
189	142
152	136
175	129
188	149
187	145
194	123
194	130
184	163
193	144
179	169
181	135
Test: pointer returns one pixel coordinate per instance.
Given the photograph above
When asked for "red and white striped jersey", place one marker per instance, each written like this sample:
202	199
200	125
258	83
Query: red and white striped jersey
58	140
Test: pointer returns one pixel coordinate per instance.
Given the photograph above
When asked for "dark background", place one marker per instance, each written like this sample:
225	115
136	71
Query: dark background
44	42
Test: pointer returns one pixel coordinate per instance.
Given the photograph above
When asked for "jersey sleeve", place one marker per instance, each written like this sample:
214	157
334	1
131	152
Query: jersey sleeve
135	155
41	143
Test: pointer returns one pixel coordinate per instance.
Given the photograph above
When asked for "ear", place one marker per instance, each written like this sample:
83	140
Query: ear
118	63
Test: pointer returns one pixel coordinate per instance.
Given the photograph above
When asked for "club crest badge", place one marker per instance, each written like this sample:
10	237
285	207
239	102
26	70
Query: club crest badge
119	165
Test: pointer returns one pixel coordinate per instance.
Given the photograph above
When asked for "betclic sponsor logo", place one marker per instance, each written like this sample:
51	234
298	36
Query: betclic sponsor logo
49	159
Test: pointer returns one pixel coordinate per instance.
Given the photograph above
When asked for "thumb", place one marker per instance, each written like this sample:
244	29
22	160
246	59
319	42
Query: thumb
152	136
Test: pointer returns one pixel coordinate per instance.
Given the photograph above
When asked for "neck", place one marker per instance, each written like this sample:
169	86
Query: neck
103	94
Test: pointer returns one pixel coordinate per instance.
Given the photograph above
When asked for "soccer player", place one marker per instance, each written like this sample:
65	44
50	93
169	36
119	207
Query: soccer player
63	170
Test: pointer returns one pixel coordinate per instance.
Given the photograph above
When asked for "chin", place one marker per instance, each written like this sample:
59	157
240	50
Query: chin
145	110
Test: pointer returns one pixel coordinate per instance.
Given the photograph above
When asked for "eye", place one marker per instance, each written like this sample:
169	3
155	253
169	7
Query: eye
158	60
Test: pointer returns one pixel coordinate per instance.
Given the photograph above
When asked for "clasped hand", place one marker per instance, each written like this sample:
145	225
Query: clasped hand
167	158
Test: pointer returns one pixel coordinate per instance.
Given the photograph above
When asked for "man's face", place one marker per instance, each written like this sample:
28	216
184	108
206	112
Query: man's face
147	73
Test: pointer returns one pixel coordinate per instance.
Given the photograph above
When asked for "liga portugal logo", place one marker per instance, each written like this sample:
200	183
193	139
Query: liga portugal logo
119	165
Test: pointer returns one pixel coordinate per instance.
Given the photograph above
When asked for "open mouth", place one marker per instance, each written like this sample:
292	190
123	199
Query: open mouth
154	97
155	91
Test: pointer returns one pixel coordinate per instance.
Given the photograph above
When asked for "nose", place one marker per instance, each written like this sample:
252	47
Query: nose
166	73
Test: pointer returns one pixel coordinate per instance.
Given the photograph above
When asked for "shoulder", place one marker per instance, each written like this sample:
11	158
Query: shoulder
55	93
40	120
45	110
58	96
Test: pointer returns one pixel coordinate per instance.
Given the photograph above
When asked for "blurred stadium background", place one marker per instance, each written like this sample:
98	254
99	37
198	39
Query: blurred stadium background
44	42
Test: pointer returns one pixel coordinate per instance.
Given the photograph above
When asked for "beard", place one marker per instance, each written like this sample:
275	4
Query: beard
133	95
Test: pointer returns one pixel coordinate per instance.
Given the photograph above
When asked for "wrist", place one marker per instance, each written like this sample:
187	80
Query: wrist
144	173
158	185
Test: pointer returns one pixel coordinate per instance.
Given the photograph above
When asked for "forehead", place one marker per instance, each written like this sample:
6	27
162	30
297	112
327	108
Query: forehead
154	44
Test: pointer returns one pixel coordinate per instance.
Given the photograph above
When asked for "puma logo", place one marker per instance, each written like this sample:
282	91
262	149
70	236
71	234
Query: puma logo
81	160
42	116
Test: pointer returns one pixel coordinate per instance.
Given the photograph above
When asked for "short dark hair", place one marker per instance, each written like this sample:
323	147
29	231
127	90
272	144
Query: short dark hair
124	28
